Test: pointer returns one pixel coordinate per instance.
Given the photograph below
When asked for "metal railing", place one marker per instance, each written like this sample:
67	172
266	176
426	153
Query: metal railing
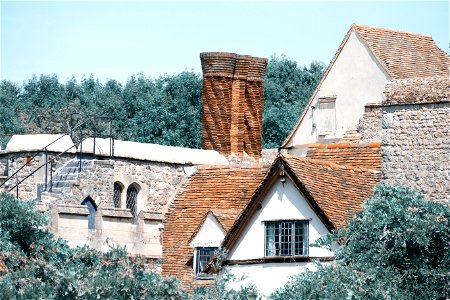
78	126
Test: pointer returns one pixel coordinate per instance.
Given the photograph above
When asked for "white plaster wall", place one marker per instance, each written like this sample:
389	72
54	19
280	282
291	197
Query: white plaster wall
281	202
356	78
266	277
211	233
74	229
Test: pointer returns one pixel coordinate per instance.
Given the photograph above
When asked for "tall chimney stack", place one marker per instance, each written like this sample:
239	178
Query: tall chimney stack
232	96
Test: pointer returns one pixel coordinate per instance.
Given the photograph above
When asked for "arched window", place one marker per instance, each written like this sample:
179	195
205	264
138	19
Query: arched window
92	209
131	204
117	195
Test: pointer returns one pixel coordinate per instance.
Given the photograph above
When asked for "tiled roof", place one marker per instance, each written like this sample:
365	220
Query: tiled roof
338	190
335	192
225	192
358	155
404	54
418	90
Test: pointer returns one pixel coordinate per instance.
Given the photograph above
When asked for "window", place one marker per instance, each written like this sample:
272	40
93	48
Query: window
92	209
117	195
132	193
327	115
286	238
202	256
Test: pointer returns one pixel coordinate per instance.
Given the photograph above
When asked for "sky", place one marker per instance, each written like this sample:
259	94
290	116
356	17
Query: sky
115	40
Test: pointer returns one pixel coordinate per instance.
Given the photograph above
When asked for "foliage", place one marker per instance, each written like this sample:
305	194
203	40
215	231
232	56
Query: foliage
222	287
165	110
35	265
287	88
398	247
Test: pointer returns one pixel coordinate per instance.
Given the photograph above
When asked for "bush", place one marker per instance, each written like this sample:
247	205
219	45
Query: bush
397	247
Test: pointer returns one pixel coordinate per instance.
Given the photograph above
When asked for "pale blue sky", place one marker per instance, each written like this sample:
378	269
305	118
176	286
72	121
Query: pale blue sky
111	39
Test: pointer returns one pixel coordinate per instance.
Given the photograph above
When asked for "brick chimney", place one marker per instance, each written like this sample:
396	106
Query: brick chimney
232	96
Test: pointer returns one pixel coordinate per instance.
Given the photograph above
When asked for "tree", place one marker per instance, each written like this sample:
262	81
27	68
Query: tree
397	247
287	88
11	120
35	265
165	110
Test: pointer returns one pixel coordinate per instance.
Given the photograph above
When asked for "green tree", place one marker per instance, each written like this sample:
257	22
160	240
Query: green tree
11	119
287	88
35	265
397	247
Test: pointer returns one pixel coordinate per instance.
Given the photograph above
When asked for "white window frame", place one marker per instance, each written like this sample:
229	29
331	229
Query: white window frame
278	240
198	272
327	110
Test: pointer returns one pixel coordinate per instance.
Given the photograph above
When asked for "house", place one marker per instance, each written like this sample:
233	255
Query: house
367	59
336	153
299	200
266	218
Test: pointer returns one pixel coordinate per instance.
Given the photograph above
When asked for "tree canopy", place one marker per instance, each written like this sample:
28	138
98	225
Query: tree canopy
35	265
397	247
165	110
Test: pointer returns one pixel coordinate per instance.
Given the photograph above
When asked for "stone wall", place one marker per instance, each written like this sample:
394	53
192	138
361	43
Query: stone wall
112	227
416	136
11	162
416	148
158	182
95	181
369	127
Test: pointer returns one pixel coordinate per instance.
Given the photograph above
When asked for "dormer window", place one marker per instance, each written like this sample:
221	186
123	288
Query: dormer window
205	242
327	115
203	255
286	238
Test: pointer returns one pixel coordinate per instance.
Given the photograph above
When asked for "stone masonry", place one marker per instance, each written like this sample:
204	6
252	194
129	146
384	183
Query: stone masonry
416	136
413	124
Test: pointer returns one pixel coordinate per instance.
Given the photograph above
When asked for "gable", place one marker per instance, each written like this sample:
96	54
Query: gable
354	78
282	202
210	233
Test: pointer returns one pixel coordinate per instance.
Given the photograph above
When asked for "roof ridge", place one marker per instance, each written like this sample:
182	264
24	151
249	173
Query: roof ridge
345	145
356	26
330	164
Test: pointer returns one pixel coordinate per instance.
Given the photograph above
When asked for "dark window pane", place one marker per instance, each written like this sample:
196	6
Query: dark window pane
132	194
117	195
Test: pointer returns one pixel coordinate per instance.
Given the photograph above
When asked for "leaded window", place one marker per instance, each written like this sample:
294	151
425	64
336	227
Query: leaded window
117	195
131	203
203	257
286	238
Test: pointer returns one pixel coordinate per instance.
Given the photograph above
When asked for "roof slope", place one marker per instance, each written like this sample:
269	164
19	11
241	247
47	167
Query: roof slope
418	90
338	190
222	191
335	192
357	155
401	54
404	54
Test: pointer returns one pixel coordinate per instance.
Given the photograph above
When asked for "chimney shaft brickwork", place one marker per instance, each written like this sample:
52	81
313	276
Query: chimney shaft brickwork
232	96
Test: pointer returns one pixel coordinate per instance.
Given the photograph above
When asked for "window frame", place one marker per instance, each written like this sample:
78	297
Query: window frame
198	273
304	242
321	101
